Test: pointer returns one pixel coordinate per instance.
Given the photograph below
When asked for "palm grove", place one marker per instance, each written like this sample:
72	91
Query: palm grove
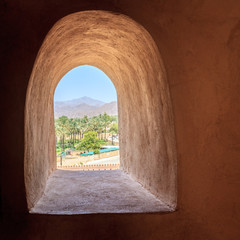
84	133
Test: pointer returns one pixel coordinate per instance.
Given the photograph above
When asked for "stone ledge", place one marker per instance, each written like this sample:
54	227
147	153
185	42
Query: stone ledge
80	192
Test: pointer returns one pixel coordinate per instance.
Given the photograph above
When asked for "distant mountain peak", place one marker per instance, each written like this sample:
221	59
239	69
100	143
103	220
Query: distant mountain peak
84	106
81	100
85	97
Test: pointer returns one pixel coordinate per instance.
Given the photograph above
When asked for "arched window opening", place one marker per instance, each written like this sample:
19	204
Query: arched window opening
126	52
86	121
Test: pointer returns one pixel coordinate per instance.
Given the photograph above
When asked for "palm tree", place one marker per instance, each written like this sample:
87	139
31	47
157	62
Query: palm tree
85	124
106	120
79	126
113	129
93	124
72	127
100	126
62	129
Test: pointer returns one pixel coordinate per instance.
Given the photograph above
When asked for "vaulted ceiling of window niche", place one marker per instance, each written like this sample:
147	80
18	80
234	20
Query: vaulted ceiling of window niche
126	52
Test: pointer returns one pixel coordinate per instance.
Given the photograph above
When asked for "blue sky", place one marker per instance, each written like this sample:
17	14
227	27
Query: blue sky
85	81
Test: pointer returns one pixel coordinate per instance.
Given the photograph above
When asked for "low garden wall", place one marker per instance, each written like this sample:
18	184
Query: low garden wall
99	156
85	159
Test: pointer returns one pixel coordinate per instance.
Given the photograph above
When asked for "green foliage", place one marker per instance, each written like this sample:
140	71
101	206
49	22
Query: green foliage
102	142
89	142
114	119
96	151
69	131
114	128
58	150
106	120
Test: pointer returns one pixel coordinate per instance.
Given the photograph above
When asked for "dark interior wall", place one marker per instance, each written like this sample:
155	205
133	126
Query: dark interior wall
200	46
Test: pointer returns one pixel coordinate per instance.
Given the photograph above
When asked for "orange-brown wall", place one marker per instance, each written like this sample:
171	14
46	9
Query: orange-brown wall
199	42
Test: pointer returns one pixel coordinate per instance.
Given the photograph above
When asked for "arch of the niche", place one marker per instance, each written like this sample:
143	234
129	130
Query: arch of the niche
126	52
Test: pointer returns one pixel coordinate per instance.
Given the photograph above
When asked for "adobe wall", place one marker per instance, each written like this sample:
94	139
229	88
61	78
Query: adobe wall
125	51
199	44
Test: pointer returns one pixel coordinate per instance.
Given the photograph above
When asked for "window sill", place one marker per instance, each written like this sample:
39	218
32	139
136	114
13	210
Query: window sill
87	192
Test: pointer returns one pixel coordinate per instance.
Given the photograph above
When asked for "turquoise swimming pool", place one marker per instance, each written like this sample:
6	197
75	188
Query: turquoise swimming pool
101	151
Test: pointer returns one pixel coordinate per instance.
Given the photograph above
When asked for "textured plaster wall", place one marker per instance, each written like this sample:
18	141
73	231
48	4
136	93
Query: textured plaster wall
128	55
199	44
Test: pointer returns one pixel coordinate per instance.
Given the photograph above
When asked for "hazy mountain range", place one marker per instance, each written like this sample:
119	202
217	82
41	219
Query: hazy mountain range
83	106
